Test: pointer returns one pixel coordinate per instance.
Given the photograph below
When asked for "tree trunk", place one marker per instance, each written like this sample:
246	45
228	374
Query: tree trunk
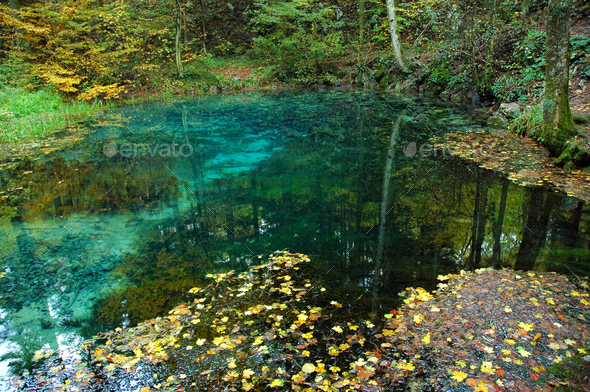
383	208
489	66
177	43
394	37
362	19
203	26
558	125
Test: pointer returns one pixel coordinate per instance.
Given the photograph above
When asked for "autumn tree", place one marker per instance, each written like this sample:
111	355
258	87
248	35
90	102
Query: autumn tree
558	125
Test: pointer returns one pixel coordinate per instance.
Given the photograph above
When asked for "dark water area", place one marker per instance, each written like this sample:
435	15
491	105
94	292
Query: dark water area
116	229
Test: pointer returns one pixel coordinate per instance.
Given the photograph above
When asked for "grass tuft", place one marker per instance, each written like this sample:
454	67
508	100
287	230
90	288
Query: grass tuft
29	116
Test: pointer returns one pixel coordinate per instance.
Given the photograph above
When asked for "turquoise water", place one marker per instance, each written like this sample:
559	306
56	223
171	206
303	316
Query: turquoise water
155	196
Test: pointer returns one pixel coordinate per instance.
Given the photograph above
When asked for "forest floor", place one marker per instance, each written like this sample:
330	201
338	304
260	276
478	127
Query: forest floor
521	159
270	328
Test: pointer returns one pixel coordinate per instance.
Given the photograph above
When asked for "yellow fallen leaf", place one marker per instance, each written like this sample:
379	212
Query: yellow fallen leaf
488	367
459	375
308	368
526	327
278	382
405	365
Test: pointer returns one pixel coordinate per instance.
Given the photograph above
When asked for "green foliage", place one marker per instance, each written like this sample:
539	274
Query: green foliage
510	88
529	123
27	115
411	19
530	51
580	46
440	74
573	368
300	40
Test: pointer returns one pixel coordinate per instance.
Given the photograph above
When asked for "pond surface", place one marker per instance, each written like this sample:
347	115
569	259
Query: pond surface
116	229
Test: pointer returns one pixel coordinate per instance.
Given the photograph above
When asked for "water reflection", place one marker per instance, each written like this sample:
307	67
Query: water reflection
95	240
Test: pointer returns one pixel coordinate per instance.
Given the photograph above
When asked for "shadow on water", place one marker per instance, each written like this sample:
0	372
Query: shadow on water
117	229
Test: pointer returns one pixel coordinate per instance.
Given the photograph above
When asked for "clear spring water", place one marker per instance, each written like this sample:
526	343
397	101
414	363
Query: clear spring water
154	196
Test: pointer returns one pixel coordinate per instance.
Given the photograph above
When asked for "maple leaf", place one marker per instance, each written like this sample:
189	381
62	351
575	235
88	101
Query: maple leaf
426	338
405	365
247	373
526	327
459	375
481	387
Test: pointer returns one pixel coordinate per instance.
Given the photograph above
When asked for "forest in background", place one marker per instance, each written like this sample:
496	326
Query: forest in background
488	51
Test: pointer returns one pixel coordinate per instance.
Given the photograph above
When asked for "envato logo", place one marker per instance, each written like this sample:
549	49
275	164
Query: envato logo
428	150
164	150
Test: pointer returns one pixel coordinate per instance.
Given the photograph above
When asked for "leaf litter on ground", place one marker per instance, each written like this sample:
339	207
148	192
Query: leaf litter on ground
521	159
273	328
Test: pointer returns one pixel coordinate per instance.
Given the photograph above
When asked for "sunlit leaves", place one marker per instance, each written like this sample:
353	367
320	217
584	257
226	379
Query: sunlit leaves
458	375
488	367
405	365
526	327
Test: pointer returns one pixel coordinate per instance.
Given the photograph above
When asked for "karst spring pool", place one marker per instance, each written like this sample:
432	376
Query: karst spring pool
152	197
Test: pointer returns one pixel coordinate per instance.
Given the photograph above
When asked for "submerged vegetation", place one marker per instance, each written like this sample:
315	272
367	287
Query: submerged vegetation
276	326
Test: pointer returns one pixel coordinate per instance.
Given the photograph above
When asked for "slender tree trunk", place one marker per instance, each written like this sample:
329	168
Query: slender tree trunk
499	223
185	35
383	208
489	67
177	42
394	37
558	125
362	19
203	26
